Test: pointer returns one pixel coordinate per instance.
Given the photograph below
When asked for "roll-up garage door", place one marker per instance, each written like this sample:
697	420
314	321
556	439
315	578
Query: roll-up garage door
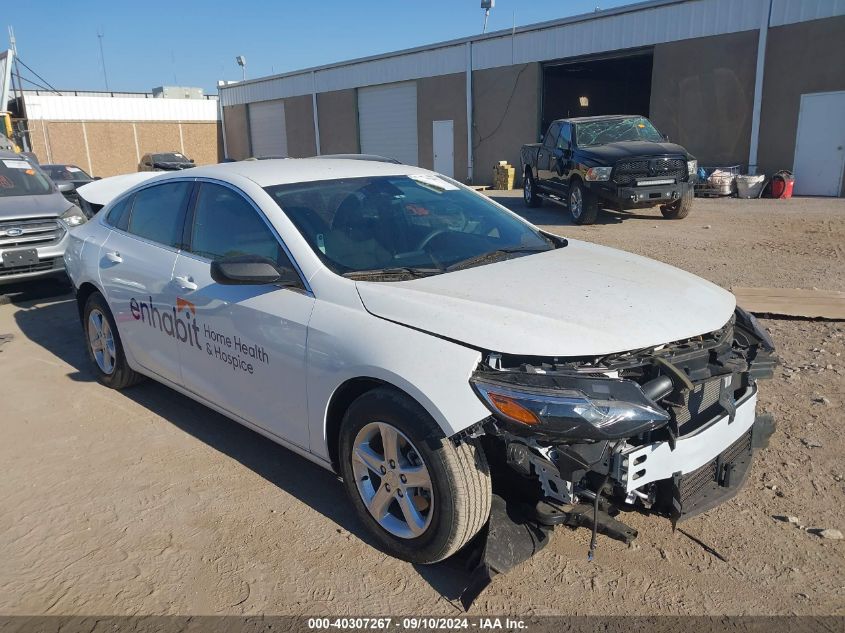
267	128
387	121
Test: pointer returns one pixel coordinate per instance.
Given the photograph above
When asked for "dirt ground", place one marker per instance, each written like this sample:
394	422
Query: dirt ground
144	502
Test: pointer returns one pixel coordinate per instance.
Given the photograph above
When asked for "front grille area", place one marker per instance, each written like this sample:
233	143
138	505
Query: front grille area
30	233
702	403
703	484
627	172
41	266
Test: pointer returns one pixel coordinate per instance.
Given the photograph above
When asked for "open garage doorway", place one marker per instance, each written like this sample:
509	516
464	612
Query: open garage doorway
618	84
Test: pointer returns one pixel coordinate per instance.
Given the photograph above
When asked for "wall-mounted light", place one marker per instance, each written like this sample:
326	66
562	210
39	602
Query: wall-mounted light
584	101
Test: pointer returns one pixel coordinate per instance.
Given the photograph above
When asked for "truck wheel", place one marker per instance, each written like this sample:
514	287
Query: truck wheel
421	496
680	209
583	205
104	347
529	192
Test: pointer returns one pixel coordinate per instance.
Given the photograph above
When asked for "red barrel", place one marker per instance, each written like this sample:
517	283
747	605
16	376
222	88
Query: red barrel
781	185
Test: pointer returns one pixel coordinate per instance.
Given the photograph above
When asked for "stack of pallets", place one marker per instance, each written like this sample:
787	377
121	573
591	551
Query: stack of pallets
503	175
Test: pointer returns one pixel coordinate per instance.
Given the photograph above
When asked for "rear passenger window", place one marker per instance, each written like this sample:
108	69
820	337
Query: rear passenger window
118	217
226	225
159	213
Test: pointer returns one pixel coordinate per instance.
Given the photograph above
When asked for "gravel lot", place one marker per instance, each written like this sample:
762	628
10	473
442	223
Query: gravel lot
144	502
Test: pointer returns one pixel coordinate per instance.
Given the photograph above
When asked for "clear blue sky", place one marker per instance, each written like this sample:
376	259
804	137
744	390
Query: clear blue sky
193	43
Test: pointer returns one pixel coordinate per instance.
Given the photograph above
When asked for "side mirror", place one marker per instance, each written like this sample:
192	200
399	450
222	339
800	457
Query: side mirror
98	177
542	136
148	164
192	160
252	270
65	187
666	137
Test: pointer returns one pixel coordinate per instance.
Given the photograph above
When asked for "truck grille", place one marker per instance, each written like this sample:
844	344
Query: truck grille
627	172
31	233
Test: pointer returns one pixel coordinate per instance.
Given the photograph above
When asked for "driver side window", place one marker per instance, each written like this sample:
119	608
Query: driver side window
564	141
551	137
226	225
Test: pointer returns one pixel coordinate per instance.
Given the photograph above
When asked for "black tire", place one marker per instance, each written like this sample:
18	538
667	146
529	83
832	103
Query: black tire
680	209
122	375
588	210
529	192
459	474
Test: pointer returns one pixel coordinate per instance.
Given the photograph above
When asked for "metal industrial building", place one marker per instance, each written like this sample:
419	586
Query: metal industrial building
756	83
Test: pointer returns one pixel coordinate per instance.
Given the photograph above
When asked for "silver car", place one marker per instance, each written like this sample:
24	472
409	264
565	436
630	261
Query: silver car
34	221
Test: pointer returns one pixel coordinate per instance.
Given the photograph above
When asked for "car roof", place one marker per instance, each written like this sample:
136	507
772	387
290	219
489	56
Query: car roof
267	173
607	117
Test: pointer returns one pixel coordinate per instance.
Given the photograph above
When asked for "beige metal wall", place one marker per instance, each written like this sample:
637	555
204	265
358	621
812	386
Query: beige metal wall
800	58
506	106
108	148
440	99
338	112
299	125
702	94
237	131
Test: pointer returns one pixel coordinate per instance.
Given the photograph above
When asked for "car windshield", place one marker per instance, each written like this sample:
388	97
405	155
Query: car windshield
394	225
65	172
19	178
170	158
634	128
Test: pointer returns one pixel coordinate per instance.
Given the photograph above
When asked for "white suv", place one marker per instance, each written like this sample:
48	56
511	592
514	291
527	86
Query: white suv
425	343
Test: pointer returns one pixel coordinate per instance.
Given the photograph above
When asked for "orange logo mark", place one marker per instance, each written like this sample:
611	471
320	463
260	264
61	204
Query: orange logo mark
186	305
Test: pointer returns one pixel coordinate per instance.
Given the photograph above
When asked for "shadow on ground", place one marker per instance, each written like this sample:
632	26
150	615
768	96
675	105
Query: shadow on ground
558	215
54	325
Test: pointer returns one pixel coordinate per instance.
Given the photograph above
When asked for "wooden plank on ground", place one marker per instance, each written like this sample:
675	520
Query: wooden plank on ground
798	302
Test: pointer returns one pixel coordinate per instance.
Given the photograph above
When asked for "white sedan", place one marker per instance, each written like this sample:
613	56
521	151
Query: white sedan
426	343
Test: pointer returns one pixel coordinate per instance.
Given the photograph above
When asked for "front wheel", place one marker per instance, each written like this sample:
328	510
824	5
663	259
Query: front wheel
421	496
583	204
680	209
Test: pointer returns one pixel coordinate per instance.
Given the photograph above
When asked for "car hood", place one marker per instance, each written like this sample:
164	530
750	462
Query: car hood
616	151
24	207
581	300
173	165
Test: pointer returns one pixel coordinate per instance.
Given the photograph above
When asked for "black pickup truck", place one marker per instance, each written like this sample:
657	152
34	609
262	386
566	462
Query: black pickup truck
620	161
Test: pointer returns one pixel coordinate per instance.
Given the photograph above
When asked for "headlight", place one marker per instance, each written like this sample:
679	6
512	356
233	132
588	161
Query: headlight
74	216
598	173
572	408
692	167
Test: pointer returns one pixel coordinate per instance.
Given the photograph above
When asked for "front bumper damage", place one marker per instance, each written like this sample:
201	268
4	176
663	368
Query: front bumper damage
698	457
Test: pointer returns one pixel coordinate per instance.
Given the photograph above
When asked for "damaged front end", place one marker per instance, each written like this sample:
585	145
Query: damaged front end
669	430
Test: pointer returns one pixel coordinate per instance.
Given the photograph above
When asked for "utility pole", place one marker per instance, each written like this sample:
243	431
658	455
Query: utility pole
103	58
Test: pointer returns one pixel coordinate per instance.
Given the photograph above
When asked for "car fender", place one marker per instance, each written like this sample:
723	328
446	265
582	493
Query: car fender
346	342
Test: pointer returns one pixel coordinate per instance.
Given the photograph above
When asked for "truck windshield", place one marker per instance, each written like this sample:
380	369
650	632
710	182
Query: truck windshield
19	178
417	224
635	128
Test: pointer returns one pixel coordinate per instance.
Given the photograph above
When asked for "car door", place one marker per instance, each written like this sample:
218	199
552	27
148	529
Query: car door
545	156
248	352
136	270
562	159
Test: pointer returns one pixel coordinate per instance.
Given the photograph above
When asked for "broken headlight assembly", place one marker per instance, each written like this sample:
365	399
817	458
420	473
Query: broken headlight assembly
569	407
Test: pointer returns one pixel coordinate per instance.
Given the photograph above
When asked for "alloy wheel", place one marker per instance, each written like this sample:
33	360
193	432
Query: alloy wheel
101	340
393	480
576	202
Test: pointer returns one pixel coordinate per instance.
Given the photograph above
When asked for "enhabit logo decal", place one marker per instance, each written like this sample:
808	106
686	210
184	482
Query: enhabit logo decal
179	323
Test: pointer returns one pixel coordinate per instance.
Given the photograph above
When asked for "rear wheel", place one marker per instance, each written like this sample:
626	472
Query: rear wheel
583	204
680	209
529	191
103	345
421	496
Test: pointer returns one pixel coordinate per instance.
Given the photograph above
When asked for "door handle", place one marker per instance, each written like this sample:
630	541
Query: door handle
185	283
114	257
